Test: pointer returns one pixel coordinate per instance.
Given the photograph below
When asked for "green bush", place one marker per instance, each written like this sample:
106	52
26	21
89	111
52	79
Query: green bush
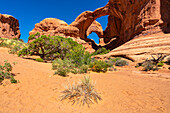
63	67
13	80
100	51
112	61
83	69
121	63
147	66
39	60
99	66
160	64
50	48
14	44
81	93
5	71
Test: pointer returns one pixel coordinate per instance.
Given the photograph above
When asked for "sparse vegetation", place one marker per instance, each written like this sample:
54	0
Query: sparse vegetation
39	60
81	93
153	63
99	66
5	72
51	48
121	63
100	51
14	44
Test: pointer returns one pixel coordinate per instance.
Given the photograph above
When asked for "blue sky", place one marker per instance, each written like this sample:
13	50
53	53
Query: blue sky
30	12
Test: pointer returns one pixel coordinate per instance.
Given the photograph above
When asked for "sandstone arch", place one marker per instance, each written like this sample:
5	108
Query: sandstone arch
127	19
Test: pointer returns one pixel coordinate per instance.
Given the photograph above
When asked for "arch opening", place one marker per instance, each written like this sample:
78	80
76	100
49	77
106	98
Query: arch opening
96	35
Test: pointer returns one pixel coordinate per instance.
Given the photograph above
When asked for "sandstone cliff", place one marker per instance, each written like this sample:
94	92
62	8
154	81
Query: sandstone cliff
127	19
9	27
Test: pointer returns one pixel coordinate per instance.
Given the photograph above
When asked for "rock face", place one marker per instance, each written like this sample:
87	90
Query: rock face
9	27
53	27
142	47
127	19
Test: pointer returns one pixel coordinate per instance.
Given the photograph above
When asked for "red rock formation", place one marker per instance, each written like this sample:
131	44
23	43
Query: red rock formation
9	27
53	27
142	47
127	19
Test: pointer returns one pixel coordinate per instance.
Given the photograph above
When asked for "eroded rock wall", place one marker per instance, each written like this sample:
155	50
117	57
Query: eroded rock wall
9	27
130	18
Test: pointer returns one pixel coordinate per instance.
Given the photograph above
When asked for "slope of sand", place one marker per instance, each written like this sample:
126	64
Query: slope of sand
124	91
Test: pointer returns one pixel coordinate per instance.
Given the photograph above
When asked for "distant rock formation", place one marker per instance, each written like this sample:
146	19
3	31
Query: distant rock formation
9	27
127	19
53	27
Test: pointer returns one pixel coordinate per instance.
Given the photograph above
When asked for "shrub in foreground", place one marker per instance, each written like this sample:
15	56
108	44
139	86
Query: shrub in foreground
99	66
5	72
81	93
62	67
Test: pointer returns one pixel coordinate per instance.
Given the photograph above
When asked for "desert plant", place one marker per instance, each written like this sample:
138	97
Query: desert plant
5	71
12	79
99	66
121	63
81	93
112	61
52	47
147	66
160	64
100	51
83	69
63	67
39	60
153	63
14	50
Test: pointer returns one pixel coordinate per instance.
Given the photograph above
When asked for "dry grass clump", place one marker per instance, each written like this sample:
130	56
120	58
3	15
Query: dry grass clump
81	93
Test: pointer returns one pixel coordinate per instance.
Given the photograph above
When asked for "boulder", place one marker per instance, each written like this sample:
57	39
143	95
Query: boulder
9	27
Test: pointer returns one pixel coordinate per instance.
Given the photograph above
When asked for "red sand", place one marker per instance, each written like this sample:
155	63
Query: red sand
127	90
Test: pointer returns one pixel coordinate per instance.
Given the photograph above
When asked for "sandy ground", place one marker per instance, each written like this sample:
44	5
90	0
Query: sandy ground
127	90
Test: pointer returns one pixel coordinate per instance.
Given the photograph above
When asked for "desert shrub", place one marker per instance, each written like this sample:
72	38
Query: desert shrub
79	56
5	71
160	64
39	60
12	80
147	66
74	70
34	36
15	38
63	67
100	51
81	93
112	61
99	66
112	69
14	50
14	44
154	63
83	69
50	48
121	63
